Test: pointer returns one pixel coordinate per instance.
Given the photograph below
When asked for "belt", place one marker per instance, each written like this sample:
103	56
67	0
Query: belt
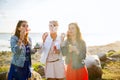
53	61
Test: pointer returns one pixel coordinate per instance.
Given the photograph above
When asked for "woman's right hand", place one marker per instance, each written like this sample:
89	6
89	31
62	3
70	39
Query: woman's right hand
70	48
44	36
62	36
22	34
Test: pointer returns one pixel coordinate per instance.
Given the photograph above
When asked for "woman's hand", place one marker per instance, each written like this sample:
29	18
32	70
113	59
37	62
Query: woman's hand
22	34
19	42
62	37
56	49
73	49
44	36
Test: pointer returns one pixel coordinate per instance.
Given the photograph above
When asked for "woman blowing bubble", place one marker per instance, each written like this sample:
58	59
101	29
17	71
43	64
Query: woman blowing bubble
21	49
74	50
51	54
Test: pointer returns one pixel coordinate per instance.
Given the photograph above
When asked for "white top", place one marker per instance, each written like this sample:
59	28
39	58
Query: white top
52	56
47	49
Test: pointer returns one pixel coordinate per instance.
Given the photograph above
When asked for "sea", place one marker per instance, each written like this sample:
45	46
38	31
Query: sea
91	39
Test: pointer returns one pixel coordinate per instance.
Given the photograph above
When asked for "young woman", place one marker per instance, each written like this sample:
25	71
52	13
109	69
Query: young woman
21	49
51	55
74	48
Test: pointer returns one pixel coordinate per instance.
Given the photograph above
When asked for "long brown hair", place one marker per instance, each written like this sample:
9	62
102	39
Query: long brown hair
78	33
17	32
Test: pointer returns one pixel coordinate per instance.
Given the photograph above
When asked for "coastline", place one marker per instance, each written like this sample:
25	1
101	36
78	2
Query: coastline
90	49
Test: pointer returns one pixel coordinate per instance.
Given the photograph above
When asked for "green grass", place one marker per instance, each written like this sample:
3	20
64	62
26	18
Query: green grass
111	71
4	69
35	65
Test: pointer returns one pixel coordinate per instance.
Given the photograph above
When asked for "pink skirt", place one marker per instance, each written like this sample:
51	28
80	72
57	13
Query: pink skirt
55	69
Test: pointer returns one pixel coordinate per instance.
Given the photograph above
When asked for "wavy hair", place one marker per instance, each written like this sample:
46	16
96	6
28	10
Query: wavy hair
17	32
78	33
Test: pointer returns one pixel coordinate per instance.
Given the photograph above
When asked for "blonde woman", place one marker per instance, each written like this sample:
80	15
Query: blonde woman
51	55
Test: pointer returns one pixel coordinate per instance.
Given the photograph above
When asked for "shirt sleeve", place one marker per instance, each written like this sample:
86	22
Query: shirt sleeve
82	49
64	48
15	48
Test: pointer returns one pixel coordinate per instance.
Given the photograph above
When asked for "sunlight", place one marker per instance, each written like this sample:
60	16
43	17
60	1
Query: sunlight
91	17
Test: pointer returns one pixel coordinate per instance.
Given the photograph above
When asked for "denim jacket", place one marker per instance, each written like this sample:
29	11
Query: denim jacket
77	59
18	56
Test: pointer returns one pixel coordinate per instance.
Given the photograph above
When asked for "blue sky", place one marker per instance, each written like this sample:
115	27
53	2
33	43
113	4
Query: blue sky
93	16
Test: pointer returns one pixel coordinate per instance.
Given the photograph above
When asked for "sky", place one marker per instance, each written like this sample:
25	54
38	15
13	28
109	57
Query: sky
93	16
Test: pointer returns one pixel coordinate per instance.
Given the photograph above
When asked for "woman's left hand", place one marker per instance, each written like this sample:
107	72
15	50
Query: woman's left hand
74	48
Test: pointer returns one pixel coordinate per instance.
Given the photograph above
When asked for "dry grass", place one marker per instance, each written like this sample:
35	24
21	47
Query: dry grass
111	71
5	58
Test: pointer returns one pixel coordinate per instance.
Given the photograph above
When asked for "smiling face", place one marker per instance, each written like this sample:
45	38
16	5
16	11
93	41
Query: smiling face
72	30
24	27
53	26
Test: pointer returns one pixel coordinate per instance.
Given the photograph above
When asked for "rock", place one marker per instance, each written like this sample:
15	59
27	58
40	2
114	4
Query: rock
115	57
95	73
41	71
92	60
113	51
35	76
94	67
102	56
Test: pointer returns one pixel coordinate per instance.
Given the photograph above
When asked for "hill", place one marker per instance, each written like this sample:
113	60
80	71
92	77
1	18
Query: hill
104	48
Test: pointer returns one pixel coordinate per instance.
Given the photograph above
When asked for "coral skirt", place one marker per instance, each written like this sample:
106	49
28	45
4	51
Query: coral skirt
76	74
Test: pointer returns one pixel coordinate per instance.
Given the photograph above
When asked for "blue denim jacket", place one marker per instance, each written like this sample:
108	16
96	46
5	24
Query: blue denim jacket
18	56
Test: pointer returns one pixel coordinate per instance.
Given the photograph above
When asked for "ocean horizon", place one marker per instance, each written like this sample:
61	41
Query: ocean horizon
91	39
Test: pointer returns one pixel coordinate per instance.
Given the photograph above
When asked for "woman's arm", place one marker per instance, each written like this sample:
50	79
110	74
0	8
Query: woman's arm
82	49
33	50
64	48
16	46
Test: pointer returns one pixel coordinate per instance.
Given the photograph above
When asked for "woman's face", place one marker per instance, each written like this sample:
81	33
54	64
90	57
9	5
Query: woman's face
72	30
52	28
24	27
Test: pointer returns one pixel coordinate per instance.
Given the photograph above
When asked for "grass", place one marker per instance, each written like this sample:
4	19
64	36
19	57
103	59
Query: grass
4	69
5	57
35	65
111	71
